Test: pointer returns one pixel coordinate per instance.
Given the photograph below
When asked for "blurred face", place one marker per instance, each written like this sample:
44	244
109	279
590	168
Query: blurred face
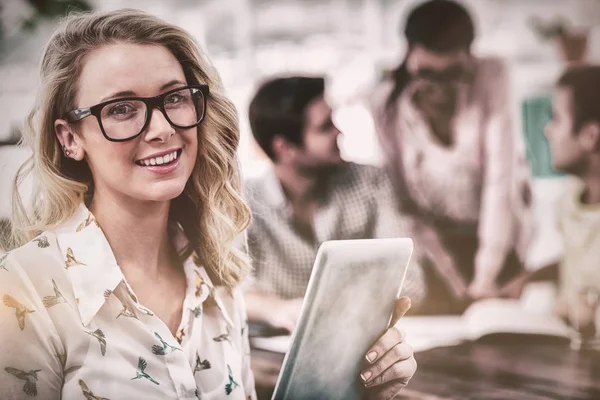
120	169
320	149
568	151
438	77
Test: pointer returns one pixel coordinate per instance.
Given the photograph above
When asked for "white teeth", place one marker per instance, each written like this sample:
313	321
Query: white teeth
160	160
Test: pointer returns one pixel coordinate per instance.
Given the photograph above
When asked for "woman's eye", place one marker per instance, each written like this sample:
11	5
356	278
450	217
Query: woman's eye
121	109
174	99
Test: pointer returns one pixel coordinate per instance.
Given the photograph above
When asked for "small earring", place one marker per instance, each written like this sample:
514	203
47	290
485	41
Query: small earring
67	152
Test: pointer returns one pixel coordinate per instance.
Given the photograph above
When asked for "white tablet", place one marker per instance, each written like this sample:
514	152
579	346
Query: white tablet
348	305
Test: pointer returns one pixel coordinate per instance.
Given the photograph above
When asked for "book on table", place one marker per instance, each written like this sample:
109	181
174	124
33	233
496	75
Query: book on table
483	318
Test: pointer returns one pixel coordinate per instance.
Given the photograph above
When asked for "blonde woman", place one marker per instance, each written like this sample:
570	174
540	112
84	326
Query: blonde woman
124	286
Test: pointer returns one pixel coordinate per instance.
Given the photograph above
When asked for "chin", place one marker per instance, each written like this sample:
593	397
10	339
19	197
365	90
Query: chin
164	191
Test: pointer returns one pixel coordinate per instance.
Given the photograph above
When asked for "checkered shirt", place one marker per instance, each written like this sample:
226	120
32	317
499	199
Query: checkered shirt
358	204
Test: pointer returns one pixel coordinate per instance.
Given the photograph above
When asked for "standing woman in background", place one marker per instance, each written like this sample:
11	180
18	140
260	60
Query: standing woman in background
125	284
445	124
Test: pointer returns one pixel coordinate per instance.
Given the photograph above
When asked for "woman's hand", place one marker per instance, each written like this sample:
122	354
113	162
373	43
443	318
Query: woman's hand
285	314
482	288
390	362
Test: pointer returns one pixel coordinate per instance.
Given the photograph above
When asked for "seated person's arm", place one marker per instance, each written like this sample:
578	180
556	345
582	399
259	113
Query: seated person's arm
272	310
432	247
514	288
263	306
500	214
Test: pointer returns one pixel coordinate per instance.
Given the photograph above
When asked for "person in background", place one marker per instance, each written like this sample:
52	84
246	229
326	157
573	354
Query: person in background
574	137
445	125
125	284
308	195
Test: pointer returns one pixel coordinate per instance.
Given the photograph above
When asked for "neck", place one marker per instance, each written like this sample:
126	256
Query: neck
136	231
299	188
591	181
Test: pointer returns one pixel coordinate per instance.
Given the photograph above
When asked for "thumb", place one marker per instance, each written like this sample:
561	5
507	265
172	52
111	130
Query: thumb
401	307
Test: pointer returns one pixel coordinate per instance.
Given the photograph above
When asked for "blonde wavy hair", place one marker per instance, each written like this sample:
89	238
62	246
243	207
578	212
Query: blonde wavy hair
210	210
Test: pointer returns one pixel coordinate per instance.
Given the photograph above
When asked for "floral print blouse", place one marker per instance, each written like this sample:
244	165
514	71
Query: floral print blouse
72	327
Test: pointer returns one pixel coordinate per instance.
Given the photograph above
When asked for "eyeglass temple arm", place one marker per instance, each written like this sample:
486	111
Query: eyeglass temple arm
78	114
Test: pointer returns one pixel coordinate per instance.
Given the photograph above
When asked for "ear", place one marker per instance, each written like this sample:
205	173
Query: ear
589	136
283	149
70	141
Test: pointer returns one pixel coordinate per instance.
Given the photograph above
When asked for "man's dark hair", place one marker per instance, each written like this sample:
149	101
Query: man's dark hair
278	109
584	83
438	25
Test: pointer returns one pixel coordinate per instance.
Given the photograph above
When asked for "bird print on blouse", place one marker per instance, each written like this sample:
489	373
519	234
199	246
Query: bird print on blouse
30	378
179	335
189	393
20	310
127	312
42	242
200	282
232	383
141	372
201	365
87	222
223	337
58	298
166	348
99	335
89	395
197	312
132	295
244	327
3	258
71	261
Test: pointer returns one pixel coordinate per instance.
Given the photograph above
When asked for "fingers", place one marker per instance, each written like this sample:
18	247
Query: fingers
390	338
375	374
401	307
401	371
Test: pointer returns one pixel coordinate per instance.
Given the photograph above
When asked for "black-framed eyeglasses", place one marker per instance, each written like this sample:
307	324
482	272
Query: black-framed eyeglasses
126	118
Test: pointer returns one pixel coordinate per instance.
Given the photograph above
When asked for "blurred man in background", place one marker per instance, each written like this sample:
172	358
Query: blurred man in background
310	195
574	137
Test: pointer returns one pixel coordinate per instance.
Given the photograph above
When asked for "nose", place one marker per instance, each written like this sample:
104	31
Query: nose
158	129
336	131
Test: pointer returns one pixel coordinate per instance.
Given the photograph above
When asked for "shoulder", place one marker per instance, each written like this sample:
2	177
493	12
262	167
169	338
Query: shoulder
256	187
491	67
492	76
570	199
380	94
31	268
364	174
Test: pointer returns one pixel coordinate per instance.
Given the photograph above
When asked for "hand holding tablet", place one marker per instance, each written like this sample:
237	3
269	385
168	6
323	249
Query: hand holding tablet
352	298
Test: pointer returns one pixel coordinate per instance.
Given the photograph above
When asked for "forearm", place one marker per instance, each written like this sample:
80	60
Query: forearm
431	246
547	273
259	304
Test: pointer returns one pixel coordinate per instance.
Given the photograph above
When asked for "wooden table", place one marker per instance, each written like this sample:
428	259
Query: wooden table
507	367
528	369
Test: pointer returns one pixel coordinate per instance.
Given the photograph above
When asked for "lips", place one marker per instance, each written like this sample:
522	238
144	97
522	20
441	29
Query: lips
163	159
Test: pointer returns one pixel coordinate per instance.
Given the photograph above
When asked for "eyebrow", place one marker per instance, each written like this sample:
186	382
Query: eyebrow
124	93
